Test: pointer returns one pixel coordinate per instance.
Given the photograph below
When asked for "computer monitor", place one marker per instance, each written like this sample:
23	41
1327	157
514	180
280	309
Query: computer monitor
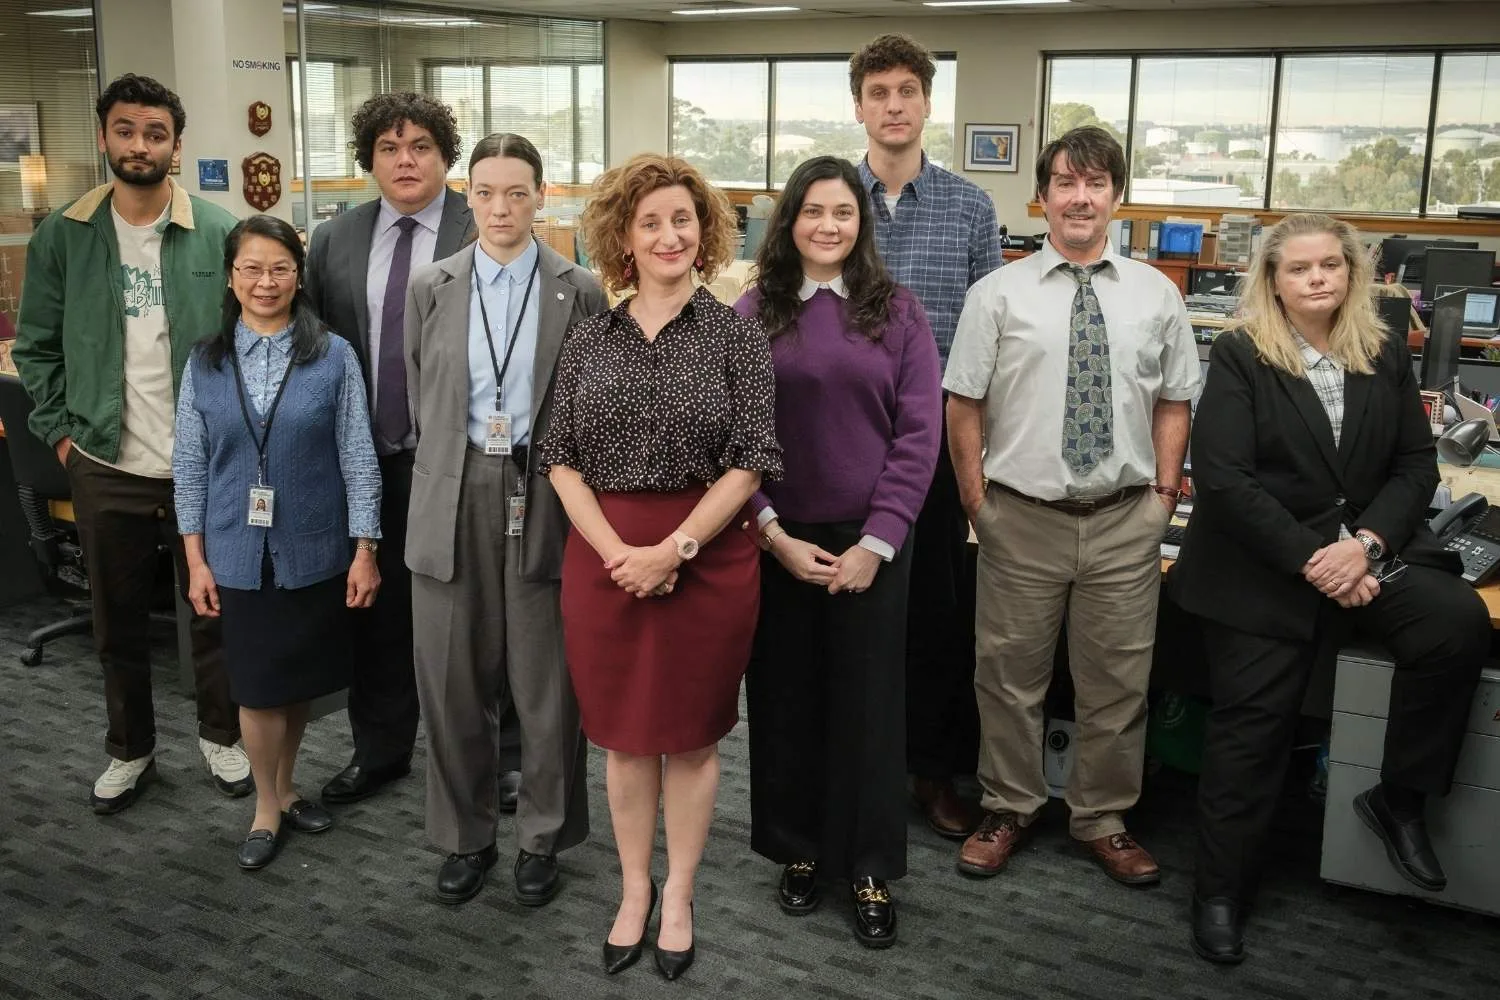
1444	338
1481	308
1398	250
1447	266
1395	315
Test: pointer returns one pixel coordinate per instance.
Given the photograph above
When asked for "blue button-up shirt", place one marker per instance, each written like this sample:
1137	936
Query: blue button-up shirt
503	288
941	240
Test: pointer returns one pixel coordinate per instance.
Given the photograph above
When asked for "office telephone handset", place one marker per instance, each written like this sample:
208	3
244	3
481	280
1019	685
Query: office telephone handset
1471	528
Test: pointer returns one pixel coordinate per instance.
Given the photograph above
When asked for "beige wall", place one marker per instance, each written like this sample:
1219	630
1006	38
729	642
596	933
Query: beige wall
1000	55
635	85
135	37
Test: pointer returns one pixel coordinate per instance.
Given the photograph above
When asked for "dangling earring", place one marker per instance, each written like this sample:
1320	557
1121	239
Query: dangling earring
629	267
699	263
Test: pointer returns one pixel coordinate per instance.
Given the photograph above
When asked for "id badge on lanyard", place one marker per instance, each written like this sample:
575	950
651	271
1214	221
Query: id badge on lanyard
261	511
497	432
498	439
262	506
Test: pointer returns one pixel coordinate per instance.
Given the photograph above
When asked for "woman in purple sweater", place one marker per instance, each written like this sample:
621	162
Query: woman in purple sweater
858	413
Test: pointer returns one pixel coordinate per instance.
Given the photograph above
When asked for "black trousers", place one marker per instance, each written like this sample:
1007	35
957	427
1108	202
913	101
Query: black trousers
1437	630
824	693
383	708
122	520
942	716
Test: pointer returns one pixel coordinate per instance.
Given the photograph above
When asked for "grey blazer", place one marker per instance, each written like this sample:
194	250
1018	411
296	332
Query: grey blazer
437	380
338	264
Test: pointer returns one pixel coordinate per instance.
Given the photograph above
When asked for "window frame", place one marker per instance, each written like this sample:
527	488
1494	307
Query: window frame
770	61
1278	55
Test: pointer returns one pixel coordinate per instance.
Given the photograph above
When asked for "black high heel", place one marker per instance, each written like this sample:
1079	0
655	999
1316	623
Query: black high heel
619	957
674	963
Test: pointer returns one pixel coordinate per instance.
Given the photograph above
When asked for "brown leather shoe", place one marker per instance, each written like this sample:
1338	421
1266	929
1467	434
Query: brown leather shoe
947	814
1124	860
986	852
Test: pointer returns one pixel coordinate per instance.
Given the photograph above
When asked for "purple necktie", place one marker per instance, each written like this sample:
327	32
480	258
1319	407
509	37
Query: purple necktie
392	422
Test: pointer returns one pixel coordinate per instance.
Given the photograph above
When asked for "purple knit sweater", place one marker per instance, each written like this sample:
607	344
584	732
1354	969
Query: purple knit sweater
859	422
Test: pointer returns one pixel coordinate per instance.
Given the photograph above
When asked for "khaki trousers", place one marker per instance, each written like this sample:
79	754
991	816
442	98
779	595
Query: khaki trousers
1103	571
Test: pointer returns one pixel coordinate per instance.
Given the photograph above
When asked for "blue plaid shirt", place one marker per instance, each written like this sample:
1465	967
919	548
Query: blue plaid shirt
942	240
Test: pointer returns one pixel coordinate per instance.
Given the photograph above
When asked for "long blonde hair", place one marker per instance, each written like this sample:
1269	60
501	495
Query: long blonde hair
1357	337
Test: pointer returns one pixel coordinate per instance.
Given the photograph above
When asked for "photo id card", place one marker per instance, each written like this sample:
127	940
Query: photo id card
262	506
516	517
497	434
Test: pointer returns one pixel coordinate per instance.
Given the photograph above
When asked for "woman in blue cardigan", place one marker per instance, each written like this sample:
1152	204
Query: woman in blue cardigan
278	502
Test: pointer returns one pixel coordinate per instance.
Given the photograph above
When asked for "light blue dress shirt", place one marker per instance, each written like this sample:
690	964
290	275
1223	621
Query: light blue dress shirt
382	249
503	288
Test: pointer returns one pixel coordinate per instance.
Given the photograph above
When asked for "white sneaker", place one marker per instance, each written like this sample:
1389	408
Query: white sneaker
229	767
121	782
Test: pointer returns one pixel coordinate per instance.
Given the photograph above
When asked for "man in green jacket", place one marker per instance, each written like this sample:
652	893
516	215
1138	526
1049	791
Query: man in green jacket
119	286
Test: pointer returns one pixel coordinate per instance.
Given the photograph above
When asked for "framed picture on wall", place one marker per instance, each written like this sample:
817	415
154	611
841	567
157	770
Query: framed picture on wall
992	147
20	133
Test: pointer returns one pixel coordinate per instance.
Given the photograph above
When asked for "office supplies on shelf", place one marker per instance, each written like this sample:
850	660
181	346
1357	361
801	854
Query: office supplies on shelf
1153	240
1235	245
1181	239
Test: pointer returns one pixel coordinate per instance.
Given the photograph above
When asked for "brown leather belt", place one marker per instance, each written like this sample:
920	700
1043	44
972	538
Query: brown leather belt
1079	506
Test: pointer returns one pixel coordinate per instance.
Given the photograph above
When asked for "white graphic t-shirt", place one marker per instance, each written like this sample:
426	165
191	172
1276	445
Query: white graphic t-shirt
147	404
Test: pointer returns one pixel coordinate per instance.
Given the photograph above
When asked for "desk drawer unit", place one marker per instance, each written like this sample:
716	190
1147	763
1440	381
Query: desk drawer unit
1465	826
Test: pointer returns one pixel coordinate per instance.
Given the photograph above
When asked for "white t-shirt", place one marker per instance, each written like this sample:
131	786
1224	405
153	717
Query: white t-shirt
890	202
147	404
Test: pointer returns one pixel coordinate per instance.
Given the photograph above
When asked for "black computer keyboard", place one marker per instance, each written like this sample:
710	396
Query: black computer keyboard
1175	534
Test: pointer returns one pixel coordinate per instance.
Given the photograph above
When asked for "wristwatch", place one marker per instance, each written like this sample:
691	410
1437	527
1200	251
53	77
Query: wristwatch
368	544
1374	551
686	547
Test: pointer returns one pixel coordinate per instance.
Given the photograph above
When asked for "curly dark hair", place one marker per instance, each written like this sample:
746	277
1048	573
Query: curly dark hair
384	112
1088	147
134	89
892	52
779	263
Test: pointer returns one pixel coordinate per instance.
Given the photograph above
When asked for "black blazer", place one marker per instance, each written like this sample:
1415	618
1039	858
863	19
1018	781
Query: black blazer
338	264
1270	488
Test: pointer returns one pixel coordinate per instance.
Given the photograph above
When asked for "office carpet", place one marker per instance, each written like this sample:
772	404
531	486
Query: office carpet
148	903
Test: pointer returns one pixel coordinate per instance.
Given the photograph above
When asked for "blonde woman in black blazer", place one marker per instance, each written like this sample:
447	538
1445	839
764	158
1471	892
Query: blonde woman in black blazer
1313	467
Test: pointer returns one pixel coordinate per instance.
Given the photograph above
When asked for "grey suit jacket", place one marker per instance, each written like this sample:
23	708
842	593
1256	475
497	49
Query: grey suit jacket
338	263
437	380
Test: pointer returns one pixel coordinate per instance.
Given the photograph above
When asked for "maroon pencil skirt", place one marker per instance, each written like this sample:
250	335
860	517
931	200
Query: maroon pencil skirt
661	675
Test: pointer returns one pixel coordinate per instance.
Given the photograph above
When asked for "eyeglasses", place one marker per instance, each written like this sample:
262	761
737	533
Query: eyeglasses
254	272
1393	570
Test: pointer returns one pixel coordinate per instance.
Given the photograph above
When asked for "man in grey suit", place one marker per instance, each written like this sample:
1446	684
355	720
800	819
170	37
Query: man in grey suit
483	332
359	265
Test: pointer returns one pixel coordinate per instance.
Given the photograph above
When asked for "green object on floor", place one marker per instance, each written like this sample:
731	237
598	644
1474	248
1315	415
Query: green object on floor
1174	730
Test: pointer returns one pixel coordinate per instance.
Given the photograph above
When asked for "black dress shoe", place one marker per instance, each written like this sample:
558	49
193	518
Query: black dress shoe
874	913
357	782
1406	842
536	878
305	816
462	875
1217	933
797	894
673	964
510	791
619	957
259	850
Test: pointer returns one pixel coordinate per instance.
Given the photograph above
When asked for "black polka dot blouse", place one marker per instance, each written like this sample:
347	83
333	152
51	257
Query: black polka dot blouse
632	415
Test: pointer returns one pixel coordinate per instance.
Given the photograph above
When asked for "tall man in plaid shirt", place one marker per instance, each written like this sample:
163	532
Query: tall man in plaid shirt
938	236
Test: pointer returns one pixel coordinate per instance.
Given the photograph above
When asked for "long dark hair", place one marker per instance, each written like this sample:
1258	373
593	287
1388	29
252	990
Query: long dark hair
309	333
870	285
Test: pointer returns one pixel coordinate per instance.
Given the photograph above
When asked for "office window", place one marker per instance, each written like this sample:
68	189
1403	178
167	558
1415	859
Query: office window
723	122
1087	91
1202	131
1466	143
1351	132
542	77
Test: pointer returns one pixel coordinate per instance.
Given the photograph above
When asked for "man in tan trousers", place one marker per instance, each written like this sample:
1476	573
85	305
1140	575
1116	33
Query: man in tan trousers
1076	366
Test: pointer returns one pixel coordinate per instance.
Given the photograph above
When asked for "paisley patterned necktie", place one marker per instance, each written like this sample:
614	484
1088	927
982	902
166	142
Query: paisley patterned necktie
1088	413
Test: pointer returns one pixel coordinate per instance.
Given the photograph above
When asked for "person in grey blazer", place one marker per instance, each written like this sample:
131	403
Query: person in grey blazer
359	265
484	328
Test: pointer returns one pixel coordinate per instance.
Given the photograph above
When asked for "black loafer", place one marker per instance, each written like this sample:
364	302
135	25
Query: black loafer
797	894
356	782
1217	933
306	816
536	878
510	791
462	876
259	850
874	913
1406	842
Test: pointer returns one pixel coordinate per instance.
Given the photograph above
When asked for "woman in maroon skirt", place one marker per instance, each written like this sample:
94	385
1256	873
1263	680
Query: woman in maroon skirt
662	428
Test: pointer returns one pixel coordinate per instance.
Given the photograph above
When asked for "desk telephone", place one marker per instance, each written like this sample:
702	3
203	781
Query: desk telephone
1471	528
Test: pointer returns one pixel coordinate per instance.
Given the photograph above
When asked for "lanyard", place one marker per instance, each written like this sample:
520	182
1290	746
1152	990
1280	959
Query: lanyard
489	338
262	440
